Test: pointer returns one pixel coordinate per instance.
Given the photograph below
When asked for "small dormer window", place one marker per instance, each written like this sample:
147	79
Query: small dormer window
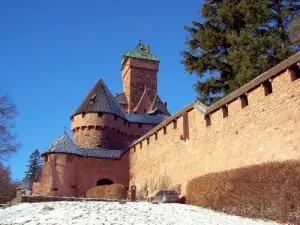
93	99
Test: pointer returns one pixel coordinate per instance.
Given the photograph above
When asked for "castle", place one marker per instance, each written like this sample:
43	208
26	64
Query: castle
132	139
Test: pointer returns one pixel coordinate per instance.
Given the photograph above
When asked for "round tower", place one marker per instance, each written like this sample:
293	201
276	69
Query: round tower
99	121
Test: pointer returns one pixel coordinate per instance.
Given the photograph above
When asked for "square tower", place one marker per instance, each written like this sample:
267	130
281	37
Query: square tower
139	72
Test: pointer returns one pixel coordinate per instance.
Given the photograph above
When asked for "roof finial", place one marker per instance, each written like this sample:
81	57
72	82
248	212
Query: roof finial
143	32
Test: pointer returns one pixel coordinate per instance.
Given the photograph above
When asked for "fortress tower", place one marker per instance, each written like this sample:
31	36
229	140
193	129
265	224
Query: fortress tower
103	128
104	121
139	74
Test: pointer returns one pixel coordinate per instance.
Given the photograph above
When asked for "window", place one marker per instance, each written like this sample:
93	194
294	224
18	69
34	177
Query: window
125	122
267	85
148	141
165	130
134	148
69	157
141	145
93	99
100	114
140	125
83	115
225	111
88	160
244	100
46	158
207	120
175	124
155	136
108	162
116	117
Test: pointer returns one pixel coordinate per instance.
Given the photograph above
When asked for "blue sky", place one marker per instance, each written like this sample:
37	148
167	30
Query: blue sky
53	52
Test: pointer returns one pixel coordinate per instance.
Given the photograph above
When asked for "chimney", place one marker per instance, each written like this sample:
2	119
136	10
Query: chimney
148	49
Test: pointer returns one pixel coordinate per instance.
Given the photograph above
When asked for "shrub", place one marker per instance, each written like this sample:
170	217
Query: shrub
269	191
112	191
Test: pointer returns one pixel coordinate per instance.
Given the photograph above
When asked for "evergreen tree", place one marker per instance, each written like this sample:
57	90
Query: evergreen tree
237	41
294	31
34	165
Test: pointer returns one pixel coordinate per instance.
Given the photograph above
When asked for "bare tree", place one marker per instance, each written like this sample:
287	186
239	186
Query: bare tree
8	112
7	186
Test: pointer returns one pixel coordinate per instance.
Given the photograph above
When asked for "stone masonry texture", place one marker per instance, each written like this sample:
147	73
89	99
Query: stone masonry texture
267	129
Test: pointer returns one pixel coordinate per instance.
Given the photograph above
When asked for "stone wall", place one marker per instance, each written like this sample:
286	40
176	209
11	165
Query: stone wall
65	176
108	131
136	74
255	129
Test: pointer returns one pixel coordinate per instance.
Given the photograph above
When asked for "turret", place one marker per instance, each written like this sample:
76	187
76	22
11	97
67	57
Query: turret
97	123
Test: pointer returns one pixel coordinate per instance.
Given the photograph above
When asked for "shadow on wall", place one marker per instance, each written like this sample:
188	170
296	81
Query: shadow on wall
269	191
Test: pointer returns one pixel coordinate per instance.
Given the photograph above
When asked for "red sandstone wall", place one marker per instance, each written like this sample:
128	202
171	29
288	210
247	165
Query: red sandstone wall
268	129
73	178
137	73
108	131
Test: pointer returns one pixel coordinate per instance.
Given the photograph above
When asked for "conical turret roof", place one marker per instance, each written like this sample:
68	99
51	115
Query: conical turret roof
157	104
100	99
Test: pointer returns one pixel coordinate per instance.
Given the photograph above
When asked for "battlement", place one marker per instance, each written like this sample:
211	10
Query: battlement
256	124
251	93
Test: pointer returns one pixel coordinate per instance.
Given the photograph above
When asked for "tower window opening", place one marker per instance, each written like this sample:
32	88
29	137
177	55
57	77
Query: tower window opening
244	100
155	136
69	158
148	141
115	117
100	114
83	115
125	122
267	85
141	145
165	130
140	125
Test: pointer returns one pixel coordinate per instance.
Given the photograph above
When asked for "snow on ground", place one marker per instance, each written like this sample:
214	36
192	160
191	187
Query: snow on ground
105	213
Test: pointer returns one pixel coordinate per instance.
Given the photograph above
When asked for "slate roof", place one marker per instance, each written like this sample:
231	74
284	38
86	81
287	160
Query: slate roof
144	118
158	105
64	144
141	52
100	99
121	98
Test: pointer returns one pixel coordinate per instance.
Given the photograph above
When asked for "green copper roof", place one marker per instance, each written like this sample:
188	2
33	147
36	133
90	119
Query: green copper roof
141	52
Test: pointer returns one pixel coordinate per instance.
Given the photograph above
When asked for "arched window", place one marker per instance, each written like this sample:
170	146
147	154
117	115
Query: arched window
104	182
